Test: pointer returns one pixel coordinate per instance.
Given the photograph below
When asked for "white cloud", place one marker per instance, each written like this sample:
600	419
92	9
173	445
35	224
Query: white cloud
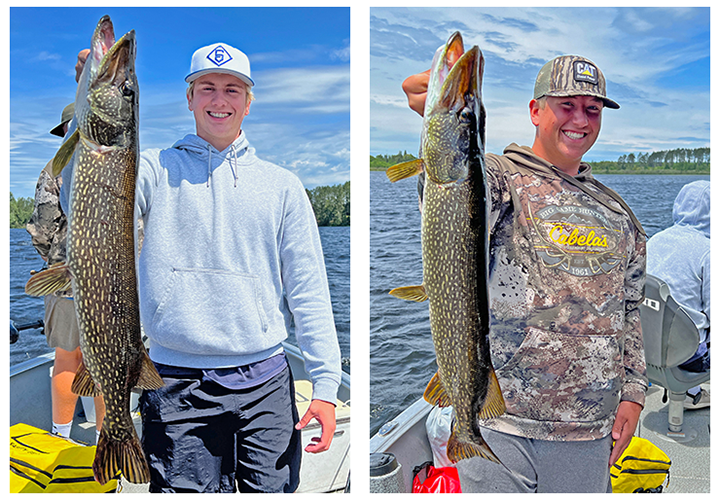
633	47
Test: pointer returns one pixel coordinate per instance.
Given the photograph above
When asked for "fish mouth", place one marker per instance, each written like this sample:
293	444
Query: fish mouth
102	40
462	84
445	58
110	61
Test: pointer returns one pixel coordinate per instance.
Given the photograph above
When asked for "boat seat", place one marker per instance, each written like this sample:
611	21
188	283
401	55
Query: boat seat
670	338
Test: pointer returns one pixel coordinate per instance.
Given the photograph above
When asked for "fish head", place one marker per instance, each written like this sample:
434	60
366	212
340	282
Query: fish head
106	104
454	118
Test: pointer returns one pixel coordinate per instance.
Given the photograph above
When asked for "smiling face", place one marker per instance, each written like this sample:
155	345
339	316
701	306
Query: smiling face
219	102
566	128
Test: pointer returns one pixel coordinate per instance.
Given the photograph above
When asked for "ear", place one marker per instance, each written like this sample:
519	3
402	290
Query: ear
247	108
189	100
534	112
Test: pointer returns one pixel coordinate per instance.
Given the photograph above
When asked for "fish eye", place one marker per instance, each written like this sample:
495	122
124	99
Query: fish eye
127	89
466	115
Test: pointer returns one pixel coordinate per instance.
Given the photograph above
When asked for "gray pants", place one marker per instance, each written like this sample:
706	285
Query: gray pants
538	466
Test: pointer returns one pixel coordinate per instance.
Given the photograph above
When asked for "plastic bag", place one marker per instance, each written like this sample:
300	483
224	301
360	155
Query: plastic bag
438	427
429	479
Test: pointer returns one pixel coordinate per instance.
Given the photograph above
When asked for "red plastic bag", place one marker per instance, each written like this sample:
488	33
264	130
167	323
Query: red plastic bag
441	480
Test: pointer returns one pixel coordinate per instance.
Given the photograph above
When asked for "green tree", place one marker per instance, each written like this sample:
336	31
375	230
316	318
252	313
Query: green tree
331	204
20	211
382	162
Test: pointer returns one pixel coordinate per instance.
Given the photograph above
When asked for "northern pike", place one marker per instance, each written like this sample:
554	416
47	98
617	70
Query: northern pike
100	264
455	246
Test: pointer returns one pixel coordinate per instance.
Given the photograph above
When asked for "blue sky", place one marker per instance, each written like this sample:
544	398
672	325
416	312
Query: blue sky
656	62
300	61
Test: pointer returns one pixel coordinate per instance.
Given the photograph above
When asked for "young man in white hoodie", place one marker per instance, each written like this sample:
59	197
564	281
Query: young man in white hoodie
230	251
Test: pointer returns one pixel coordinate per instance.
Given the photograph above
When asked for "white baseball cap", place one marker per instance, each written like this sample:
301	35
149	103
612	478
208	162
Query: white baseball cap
220	58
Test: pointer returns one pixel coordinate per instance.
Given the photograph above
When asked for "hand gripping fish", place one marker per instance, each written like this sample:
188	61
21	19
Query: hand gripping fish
100	263
455	246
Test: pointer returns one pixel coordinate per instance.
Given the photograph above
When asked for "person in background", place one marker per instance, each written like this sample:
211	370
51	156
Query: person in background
680	256
48	228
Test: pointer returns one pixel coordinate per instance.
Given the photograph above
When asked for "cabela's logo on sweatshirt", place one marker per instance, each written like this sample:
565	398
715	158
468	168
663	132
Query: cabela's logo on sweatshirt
574	239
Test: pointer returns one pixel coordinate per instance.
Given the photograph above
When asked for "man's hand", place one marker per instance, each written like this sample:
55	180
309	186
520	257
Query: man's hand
415	87
626	420
324	412
82	57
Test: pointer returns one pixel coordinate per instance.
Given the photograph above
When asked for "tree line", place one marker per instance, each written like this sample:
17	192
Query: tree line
20	211
330	203
681	160
382	162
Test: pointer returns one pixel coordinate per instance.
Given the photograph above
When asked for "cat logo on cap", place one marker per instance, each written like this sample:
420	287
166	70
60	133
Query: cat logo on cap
219	56
586	72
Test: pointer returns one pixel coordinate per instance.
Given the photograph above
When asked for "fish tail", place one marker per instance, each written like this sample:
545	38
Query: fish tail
125	456
458	449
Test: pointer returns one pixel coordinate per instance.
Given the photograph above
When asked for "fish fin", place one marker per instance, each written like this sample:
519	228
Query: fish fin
149	378
83	383
415	293
405	170
494	405
62	157
55	278
458	450
435	392
127	456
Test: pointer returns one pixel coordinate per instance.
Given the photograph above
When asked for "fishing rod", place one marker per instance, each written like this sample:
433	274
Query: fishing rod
16	329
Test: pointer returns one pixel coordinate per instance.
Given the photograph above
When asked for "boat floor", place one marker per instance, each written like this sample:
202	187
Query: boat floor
690	453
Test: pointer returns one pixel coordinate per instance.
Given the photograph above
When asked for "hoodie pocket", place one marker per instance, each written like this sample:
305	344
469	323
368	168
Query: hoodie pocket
561	377
210	311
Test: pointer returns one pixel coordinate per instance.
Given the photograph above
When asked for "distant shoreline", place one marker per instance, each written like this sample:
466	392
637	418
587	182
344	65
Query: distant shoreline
620	172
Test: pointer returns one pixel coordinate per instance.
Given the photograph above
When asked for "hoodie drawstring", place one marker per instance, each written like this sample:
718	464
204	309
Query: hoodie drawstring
231	165
230	162
209	147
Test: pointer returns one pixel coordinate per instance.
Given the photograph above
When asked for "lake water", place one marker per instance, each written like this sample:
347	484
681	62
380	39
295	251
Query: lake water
25	309
402	357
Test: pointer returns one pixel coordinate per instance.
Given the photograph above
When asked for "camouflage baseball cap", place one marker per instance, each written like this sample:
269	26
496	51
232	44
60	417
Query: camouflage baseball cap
572	75
67	115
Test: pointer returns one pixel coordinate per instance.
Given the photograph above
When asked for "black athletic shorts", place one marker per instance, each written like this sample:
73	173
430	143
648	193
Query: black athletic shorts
199	436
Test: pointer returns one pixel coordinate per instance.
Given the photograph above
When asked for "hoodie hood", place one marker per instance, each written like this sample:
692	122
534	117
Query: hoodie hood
196	145
692	207
526	157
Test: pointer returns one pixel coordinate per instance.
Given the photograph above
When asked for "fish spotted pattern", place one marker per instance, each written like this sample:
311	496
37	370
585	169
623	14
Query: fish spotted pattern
455	246
101	249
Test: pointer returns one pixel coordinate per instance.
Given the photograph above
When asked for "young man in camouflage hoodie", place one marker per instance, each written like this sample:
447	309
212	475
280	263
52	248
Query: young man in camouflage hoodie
567	272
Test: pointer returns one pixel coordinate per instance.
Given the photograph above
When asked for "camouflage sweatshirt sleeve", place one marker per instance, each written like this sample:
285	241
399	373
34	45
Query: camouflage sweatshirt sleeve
636	382
48	224
43	223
